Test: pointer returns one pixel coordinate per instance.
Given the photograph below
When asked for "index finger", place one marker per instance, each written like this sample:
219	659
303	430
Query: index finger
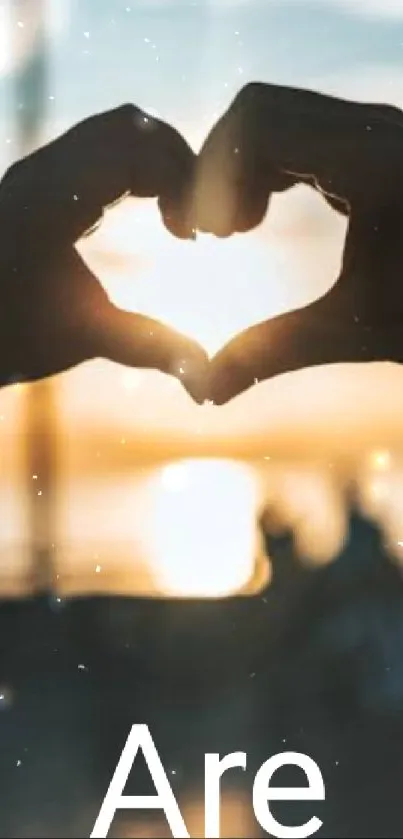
63	188
351	149
272	137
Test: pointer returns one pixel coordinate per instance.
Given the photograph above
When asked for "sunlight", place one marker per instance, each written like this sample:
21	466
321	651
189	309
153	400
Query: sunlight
380	460
202	529
209	288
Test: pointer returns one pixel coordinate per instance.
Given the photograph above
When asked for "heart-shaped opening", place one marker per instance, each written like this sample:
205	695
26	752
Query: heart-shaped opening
212	289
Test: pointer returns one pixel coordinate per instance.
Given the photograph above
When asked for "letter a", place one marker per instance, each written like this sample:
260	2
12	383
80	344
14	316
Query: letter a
139	736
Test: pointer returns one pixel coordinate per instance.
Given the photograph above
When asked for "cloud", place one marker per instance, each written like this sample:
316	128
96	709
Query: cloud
371	8
365	83
365	8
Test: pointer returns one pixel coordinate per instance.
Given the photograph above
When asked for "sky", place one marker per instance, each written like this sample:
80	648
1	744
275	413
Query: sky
185	61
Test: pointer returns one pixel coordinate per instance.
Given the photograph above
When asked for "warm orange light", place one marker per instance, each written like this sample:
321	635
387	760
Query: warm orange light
380	460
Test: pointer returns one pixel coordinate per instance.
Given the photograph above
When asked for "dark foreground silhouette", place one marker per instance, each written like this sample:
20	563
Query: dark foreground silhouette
313	665
54	313
270	139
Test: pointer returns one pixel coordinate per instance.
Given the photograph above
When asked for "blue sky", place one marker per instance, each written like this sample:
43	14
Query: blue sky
199	52
187	59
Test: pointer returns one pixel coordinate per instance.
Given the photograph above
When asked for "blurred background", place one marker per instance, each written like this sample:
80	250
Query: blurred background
132	520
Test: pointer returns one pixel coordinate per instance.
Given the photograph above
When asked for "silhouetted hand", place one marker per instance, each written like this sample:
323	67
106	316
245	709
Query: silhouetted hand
54	313
270	139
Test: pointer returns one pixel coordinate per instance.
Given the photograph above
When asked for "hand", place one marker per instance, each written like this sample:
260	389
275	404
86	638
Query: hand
270	139
54	314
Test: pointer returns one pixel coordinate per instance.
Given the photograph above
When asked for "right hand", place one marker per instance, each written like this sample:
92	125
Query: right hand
270	139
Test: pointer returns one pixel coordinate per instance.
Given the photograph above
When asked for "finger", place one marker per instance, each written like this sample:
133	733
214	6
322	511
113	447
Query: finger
232	183
273	137
305	338
63	188
347	149
138	341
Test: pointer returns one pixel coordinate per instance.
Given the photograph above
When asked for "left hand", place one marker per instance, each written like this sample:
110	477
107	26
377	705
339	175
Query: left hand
54	314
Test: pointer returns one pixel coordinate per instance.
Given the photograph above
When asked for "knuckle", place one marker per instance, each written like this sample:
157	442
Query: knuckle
128	111
249	93
16	188
136	117
12	175
122	120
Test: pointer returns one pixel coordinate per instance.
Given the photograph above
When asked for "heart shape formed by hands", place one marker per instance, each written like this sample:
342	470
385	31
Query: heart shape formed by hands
55	314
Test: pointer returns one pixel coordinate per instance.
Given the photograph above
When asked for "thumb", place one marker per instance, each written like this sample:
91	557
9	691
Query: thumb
138	341
310	337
